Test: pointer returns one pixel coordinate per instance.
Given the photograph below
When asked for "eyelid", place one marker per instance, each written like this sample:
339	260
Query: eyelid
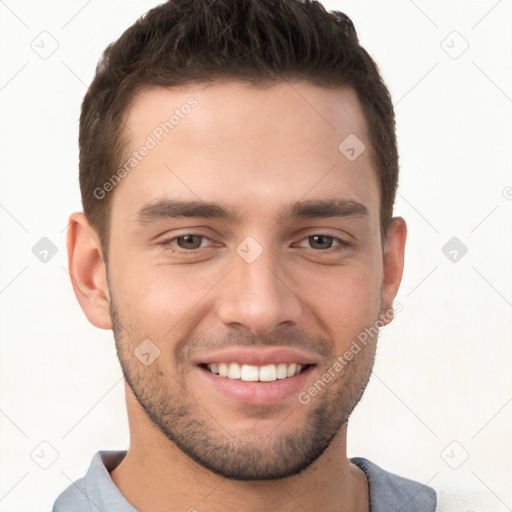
342	242
170	242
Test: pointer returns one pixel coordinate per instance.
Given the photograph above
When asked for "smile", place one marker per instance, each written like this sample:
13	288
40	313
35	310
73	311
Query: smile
252	373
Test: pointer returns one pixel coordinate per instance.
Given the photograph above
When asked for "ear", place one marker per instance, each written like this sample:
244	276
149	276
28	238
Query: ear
88	271
393	266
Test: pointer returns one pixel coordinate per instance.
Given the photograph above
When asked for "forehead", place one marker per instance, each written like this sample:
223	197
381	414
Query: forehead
247	146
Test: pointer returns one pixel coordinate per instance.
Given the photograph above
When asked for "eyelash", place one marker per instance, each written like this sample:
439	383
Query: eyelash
343	246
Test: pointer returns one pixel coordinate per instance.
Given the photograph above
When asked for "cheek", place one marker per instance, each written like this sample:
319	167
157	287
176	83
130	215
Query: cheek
346	301
163	300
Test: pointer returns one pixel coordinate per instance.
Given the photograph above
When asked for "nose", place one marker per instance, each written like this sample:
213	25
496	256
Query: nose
258	295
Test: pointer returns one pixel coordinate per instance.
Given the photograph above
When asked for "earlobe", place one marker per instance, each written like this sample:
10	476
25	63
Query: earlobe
87	270
393	265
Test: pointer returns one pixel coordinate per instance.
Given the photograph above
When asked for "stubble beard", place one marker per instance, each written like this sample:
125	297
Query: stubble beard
198	430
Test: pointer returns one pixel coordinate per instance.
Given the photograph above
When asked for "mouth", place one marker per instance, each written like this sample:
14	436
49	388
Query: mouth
254	373
256	385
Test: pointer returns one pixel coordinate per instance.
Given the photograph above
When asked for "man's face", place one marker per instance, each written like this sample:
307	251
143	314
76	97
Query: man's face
272	287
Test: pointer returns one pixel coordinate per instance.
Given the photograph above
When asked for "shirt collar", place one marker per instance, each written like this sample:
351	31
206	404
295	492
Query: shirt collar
392	492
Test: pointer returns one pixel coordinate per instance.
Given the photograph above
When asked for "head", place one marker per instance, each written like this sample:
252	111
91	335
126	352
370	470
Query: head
238	169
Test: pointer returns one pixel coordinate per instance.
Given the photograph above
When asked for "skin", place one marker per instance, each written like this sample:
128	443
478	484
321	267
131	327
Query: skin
256	150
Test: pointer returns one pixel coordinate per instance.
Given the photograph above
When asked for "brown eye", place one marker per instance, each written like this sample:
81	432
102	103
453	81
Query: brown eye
184	244
189	241
321	241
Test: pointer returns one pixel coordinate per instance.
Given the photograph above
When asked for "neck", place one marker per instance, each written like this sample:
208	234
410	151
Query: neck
156	475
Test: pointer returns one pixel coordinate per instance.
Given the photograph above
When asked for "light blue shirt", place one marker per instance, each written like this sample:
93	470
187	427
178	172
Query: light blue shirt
96	492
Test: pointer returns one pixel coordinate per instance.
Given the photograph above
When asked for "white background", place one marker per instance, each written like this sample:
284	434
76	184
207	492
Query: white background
442	386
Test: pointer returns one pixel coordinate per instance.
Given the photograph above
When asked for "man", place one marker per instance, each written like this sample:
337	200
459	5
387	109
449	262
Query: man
238	169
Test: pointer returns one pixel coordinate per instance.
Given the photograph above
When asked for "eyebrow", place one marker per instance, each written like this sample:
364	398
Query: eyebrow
315	208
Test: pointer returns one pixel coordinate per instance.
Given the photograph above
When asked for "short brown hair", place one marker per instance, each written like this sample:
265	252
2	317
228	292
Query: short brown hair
198	41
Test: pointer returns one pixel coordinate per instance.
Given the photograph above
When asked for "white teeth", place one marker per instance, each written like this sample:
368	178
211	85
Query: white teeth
252	373
234	371
249	373
281	371
268	373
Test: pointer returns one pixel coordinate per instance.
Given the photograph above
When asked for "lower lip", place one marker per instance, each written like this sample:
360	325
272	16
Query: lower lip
258	393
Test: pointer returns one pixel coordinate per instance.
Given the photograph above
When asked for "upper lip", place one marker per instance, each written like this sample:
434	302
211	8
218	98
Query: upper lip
259	356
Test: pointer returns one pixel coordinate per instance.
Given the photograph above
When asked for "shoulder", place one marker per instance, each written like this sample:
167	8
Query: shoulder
73	498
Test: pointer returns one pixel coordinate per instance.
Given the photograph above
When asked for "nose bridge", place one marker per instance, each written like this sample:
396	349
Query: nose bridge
256	293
